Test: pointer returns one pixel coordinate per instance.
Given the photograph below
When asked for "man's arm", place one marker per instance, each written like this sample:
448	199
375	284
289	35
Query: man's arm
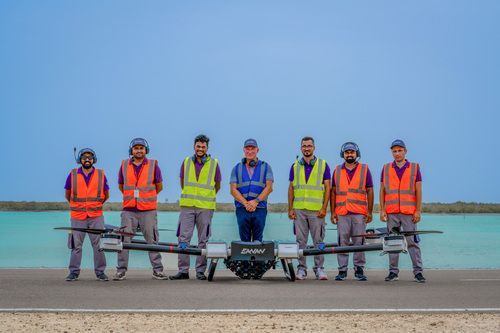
217	186
291	212
67	194
333	195
418	193
237	195
106	196
383	214
370	196
159	187
326	199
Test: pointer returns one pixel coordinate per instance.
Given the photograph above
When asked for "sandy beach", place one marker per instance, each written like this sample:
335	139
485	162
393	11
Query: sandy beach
276	322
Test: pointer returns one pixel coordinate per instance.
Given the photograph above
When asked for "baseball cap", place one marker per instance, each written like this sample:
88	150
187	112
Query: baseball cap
399	143
250	143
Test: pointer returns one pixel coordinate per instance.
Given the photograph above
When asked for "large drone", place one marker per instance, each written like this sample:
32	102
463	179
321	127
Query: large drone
250	260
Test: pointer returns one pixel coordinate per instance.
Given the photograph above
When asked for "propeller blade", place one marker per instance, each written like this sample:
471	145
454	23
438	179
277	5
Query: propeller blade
87	230
404	233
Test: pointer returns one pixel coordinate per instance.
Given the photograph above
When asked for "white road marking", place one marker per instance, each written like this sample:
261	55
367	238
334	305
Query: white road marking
479	279
246	310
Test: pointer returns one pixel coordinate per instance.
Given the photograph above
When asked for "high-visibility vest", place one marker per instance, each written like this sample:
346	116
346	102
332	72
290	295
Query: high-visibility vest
251	187
141	184
400	195
351	196
86	200
309	195
199	192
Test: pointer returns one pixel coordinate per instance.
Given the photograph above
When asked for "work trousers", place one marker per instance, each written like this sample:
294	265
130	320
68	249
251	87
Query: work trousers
251	224
306	222
405	223
75	243
147	222
347	226
190	217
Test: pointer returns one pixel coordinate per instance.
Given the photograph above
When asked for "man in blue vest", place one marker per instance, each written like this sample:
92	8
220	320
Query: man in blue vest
251	183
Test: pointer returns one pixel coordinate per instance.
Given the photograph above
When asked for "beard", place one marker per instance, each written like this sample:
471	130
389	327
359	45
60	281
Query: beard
87	165
350	160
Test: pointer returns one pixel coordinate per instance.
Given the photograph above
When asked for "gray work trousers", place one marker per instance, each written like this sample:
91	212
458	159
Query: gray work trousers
190	217
347	226
147	222
308	221
75	243
406	224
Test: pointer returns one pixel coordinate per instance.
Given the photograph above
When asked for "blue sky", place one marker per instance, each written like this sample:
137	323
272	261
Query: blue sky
99	73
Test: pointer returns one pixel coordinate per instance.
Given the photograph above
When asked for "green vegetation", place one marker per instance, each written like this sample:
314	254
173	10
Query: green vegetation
434	208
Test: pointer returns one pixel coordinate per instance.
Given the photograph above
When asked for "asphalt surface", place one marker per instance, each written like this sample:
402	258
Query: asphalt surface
445	289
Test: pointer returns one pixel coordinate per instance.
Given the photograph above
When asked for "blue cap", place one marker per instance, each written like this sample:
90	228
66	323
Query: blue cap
250	143
349	146
399	143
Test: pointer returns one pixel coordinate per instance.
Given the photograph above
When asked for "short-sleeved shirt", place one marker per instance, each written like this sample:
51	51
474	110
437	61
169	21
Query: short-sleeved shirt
137	169
197	168
400	171
350	174
234	178
307	170
67	186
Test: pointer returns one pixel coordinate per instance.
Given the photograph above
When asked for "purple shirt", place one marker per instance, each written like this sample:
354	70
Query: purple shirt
67	186
400	171
350	174
137	168
307	170
197	167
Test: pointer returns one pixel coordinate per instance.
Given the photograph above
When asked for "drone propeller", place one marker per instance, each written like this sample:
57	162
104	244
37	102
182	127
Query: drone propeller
398	232
113	227
97	231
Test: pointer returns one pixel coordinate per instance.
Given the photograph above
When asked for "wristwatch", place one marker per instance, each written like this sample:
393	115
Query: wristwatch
257	199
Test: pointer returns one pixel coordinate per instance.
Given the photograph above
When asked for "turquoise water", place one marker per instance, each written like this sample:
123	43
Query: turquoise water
469	241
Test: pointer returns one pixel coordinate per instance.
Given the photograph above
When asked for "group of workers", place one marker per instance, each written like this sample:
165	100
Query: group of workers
312	187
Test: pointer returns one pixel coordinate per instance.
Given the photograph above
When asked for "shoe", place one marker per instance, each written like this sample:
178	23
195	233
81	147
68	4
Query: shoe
119	276
102	277
72	277
391	277
341	276
301	274
159	276
321	275
200	276
419	278
359	274
179	276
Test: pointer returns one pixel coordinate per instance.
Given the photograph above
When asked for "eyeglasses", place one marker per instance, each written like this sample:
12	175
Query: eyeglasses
307	146
87	158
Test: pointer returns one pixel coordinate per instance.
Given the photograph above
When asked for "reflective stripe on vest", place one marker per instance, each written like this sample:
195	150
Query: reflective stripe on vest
251	187
309	195
147	198
400	195
199	192
86	200
351	196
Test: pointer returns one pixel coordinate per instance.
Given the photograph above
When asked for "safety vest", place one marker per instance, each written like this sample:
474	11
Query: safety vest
400	196
251	187
86	200
199	192
351	196
309	195
139	191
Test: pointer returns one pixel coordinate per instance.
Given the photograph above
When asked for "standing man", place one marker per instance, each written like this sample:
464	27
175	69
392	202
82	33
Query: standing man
401	204
308	197
86	191
140	181
351	206
200	181
251	183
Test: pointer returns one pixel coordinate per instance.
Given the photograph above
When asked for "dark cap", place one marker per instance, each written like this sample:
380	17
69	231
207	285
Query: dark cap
399	143
250	143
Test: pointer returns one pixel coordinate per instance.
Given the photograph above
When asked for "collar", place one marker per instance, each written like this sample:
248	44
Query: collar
394	165
355	166
144	161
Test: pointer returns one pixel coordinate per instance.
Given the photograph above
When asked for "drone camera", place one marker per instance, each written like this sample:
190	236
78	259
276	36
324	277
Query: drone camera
394	244
111	243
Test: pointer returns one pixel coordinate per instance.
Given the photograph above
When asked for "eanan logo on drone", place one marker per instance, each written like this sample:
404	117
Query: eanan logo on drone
252	251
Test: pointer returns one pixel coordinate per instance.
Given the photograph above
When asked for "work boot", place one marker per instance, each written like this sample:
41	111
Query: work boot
119	276
159	276
341	276
179	276
391	277
419	278
359	274
200	276
102	277
301	274
321	274
72	277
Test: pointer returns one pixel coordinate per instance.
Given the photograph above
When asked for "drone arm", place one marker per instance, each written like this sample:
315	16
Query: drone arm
342	249
161	248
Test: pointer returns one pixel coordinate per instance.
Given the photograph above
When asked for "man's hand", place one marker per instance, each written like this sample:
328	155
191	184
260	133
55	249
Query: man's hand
334	218
383	216
251	206
416	216
291	214
322	213
368	218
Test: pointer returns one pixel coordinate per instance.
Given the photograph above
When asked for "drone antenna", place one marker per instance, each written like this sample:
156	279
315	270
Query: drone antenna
74	152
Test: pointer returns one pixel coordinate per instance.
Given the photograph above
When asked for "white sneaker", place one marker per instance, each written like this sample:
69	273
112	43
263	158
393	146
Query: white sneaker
321	274
301	274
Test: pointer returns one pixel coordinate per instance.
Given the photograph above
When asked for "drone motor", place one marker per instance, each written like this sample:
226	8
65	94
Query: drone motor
394	244
111	242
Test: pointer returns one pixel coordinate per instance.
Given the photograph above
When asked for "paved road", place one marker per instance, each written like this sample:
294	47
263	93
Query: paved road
46	289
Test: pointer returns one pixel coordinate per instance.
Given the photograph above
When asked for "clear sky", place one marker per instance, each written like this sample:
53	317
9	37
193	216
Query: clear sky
99	73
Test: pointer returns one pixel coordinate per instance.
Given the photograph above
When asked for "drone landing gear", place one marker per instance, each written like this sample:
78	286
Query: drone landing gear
211	269
288	269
